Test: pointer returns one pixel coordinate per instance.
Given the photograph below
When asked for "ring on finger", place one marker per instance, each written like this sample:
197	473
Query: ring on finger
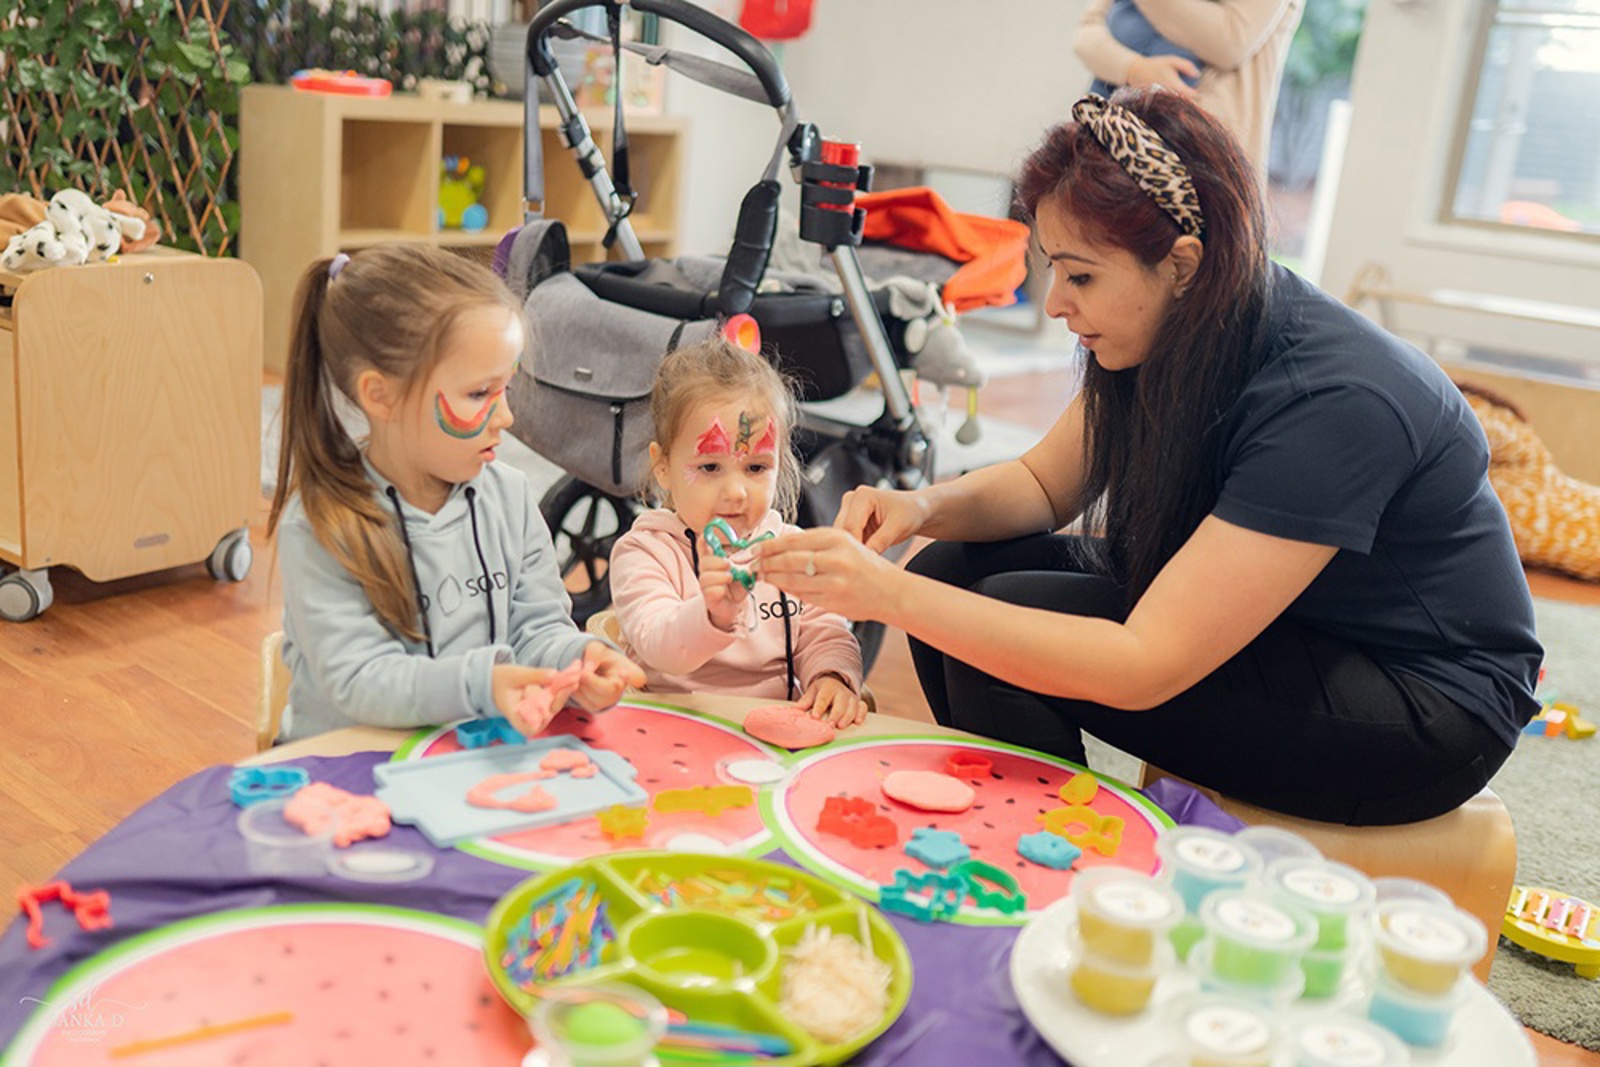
811	565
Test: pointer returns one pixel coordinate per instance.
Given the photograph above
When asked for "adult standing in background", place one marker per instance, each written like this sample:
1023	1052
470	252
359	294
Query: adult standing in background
1240	45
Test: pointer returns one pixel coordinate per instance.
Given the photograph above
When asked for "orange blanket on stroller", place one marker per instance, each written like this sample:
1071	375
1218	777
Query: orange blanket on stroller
992	252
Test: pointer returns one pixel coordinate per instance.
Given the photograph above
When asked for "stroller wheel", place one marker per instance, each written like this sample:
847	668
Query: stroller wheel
585	522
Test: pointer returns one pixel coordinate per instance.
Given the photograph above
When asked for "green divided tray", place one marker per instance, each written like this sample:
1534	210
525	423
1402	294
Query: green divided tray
706	935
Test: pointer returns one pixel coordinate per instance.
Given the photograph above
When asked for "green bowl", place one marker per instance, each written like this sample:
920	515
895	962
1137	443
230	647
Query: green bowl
705	935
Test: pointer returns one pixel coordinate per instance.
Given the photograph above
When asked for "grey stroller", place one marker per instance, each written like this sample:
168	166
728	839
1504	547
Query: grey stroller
604	327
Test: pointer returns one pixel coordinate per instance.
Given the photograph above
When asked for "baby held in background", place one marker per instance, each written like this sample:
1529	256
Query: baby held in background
420	585
690	613
1156	61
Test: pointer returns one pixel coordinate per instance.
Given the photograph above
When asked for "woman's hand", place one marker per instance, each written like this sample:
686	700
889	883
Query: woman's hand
1165	71
724	597
881	518
607	673
830	569
830	697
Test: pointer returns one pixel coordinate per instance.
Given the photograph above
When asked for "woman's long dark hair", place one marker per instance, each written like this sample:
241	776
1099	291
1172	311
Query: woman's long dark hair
1151	432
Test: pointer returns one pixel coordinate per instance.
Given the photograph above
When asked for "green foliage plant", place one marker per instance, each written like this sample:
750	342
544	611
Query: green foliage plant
138	94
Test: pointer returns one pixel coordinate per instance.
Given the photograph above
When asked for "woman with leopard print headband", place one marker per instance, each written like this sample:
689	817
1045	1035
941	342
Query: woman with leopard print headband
1292	581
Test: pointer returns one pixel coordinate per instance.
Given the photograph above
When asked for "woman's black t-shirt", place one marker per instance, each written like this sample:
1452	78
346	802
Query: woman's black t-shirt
1349	437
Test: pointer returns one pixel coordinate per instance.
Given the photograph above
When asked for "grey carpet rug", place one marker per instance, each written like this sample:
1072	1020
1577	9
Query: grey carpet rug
1551	785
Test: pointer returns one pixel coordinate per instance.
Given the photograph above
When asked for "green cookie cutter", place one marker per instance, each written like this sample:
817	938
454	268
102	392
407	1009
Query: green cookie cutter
1006	896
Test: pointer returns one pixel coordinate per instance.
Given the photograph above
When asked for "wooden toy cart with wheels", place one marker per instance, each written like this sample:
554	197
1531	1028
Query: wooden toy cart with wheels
130	421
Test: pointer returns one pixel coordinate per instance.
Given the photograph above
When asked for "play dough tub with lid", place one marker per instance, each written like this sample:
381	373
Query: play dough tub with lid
1200	861
1254	940
747	956
1426	947
1123	915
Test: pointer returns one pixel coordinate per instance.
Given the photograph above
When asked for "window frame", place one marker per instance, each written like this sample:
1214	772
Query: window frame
1489	16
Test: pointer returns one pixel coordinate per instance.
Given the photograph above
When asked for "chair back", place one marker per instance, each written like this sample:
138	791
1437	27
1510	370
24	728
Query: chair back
274	691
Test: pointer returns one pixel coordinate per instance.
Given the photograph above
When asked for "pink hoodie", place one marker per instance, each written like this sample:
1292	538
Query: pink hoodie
656	592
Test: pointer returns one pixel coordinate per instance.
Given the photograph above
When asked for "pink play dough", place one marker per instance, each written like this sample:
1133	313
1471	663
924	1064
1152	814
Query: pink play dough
929	790
539	703
567	759
483	795
354	817
787	726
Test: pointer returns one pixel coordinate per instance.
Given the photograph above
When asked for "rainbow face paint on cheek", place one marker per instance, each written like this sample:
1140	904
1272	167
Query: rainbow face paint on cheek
458	427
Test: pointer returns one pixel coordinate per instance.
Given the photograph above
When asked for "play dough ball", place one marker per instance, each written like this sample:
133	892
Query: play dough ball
929	790
601	1024
787	726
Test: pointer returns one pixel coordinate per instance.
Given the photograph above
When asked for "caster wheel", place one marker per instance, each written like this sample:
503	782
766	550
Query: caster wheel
230	560
25	595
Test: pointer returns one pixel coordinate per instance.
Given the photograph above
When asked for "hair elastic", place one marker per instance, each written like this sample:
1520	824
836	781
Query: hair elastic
337	264
1139	150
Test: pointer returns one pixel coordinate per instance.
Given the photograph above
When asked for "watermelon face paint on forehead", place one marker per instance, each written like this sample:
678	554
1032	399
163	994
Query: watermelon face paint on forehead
716	442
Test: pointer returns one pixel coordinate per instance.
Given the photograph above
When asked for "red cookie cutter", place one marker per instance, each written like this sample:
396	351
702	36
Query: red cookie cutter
92	910
968	765
856	819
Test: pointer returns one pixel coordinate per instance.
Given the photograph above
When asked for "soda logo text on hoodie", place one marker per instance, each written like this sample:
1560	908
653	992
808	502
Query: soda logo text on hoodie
779	608
449	596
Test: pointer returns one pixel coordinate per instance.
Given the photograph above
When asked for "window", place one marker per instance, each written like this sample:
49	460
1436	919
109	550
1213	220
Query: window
1529	155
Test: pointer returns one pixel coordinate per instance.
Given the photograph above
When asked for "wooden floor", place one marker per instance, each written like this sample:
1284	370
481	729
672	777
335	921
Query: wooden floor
122	689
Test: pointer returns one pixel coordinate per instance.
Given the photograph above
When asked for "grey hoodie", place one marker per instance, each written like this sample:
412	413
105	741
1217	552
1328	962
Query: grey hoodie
348	668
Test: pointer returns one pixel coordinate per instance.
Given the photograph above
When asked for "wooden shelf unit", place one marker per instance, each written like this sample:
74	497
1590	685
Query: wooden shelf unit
130	412
322	173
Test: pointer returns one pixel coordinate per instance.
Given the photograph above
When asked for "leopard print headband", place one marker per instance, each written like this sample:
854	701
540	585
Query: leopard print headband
1141	152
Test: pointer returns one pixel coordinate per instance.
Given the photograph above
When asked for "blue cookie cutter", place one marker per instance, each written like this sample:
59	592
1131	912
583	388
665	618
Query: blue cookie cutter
719	535
937	848
251	785
481	733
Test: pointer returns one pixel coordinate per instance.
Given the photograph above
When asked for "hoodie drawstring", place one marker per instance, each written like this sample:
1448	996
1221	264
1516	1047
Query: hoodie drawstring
411	559
483	564
783	601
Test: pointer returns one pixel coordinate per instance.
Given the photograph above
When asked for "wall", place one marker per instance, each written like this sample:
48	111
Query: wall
1411	78
946	83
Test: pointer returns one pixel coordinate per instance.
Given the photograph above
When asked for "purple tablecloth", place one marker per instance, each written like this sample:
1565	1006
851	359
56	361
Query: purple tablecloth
180	856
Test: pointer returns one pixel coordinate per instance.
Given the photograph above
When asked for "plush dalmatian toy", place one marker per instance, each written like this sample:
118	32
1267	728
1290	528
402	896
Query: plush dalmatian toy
75	230
34	249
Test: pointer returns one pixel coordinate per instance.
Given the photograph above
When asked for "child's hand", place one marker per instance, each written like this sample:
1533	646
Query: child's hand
724	597
829	697
511	682
606	674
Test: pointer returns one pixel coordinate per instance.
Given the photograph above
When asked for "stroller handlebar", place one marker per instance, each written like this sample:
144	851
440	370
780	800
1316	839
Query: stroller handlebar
751	51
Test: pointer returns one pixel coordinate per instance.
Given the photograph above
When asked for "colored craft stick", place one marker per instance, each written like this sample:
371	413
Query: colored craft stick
203	1033
670	1054
768	1043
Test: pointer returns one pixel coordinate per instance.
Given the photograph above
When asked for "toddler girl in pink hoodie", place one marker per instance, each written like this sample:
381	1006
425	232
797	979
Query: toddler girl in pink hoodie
722	419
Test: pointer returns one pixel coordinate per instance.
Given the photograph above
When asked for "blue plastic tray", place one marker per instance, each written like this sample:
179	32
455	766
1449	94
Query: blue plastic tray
431	793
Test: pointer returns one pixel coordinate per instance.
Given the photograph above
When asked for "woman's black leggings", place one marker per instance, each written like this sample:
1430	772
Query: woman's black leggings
1297	722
